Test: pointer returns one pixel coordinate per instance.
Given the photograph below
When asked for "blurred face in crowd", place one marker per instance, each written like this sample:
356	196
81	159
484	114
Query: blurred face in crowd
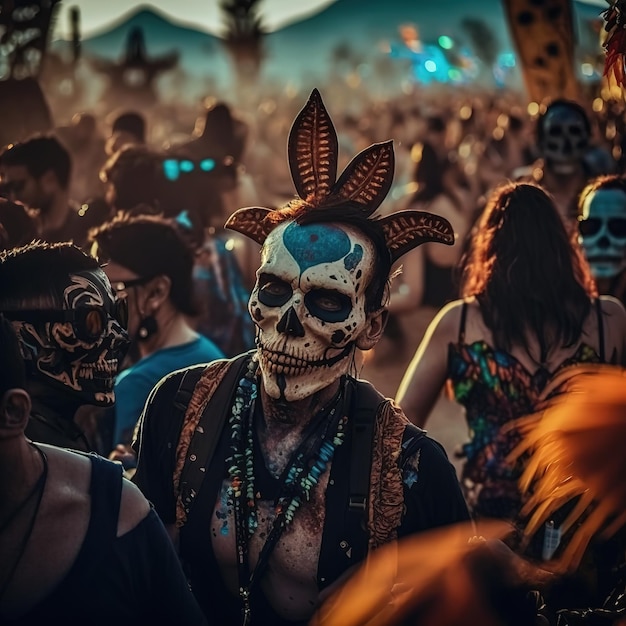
25	188
127	284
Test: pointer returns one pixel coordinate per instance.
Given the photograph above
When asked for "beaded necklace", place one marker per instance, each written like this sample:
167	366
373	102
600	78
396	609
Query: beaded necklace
302	473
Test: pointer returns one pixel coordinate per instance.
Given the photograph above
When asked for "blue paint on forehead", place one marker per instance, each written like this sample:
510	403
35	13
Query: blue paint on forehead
354	258
314	244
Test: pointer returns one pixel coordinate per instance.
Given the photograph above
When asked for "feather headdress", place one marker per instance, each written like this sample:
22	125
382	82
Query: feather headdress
576	451
313	151
437	578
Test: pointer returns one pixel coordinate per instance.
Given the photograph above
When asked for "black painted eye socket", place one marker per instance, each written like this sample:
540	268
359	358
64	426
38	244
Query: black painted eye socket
328	305
617	227
589	227
273	291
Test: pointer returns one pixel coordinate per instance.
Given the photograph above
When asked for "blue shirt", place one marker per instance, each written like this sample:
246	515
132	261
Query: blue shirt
133	385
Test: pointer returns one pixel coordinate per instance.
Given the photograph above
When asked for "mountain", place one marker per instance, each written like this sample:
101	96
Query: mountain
200	52
162	35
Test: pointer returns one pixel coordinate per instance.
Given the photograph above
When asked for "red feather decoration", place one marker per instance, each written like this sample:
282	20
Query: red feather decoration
615	42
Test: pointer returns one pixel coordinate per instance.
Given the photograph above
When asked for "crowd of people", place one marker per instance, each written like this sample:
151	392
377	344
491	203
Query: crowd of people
185	329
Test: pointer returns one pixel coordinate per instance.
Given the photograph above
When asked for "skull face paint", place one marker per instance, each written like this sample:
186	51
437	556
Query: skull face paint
565	138
309	305
60	352
602	232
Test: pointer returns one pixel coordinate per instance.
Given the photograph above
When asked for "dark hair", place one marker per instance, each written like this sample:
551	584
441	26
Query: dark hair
606	182
12	369
225	133
35	275
428	174
562	102
376	292
39	155
435	124
149	246
526	272
131	122
135	173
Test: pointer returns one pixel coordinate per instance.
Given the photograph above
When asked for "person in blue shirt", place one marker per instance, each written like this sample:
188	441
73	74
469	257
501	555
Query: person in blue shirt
149	263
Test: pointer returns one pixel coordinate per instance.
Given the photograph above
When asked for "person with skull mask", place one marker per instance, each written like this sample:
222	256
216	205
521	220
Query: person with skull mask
602	232
78	543
72	335
566	156
279	471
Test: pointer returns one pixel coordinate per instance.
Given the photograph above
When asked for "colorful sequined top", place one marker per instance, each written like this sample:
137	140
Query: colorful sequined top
495	388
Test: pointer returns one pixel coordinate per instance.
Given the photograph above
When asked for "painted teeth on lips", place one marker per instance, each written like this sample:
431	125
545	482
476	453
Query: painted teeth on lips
279	363
106	368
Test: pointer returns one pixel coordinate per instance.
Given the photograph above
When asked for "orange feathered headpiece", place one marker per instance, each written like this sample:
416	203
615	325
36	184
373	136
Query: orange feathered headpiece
438	578
576	445
313	151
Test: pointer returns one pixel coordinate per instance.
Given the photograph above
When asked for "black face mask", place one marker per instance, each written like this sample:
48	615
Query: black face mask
80	343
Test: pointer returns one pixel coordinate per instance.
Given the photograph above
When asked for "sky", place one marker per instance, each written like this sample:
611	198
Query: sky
97	15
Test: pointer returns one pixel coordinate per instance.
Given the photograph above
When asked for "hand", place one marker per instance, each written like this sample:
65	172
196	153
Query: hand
124	455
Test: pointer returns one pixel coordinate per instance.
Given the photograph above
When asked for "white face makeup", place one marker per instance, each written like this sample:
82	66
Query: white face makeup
565	138
602	232
309	305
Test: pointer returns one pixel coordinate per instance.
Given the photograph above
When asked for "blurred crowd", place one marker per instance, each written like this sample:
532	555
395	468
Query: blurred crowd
500	323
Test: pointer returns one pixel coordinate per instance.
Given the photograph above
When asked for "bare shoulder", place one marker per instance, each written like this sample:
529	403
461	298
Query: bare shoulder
133	508
448	318
69	470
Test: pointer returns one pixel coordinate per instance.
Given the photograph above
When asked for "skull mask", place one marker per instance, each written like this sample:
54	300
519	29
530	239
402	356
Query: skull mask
564	138
309	305
602	232
82	355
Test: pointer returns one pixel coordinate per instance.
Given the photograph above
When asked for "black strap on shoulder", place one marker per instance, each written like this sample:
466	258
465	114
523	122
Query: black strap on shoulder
600	330
207	433
363	419
105	491
345	539
185	389
462	324
366	405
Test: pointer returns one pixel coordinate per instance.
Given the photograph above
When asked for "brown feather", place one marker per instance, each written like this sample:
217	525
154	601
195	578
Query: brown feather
251	222
313	151
406	230
367	178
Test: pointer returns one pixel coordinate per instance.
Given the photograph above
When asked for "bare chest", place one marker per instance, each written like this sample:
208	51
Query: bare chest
290	579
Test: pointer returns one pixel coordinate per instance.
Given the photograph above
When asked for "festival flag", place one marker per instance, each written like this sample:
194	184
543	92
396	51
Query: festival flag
543	33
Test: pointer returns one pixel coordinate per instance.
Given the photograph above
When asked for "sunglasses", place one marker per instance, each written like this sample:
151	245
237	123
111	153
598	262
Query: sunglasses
120	286
592	225
89	322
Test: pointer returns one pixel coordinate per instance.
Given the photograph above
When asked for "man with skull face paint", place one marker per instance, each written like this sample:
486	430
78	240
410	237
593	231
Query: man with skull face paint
71	331
567	159
602	232
305	468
